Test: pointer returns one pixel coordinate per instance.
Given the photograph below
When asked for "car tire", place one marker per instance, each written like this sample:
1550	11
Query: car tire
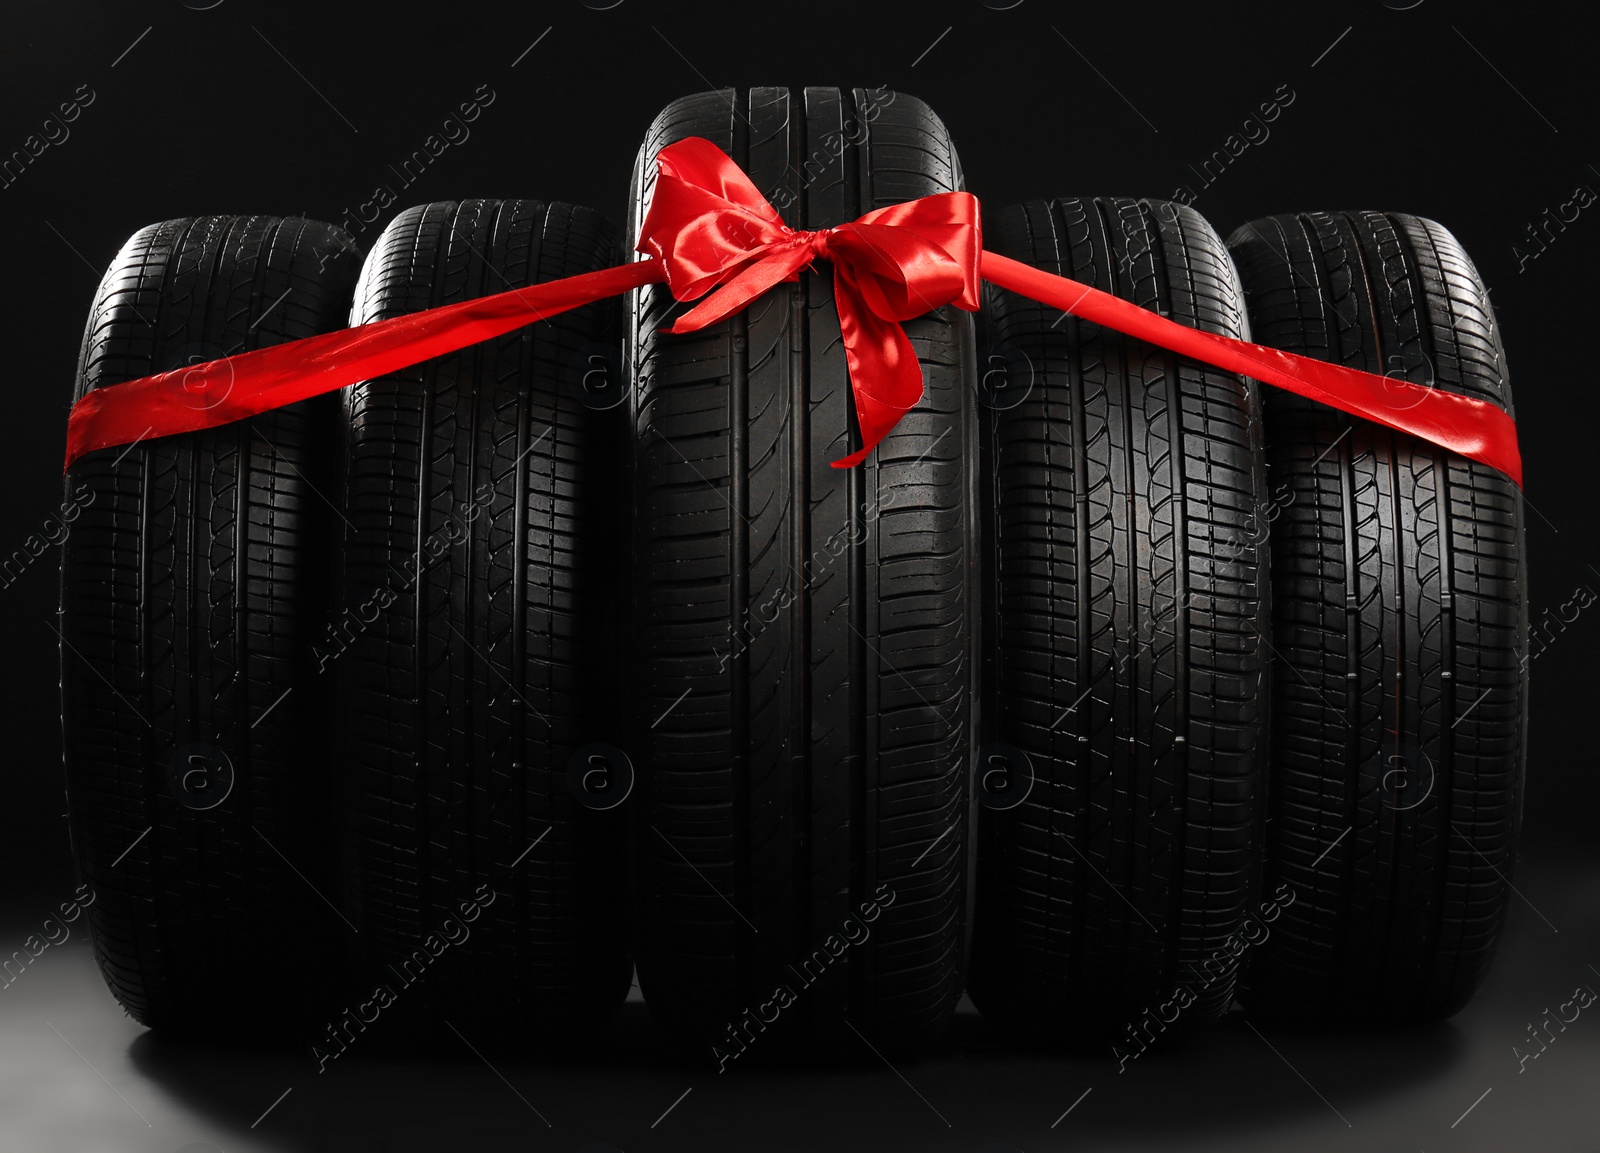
1400	600
193	581
479	565
802	647
1122	775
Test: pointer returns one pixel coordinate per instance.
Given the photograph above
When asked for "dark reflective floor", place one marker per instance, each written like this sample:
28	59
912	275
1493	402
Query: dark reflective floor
76	1075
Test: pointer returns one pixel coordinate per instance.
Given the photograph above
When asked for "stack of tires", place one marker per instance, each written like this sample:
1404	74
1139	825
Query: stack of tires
1111	689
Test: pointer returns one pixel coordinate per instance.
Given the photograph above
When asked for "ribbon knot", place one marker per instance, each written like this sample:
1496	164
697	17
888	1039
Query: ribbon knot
714	232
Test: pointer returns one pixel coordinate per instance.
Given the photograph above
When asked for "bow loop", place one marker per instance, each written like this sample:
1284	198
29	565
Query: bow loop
903	274
713	230
949	234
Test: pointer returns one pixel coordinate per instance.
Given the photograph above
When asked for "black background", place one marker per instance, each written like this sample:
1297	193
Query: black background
1480	115
302	108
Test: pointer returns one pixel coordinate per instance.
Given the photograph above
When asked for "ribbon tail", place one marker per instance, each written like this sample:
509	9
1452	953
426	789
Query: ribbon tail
1473	428
233	388
885	376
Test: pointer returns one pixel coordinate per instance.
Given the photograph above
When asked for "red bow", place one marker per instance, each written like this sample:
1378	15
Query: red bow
710	226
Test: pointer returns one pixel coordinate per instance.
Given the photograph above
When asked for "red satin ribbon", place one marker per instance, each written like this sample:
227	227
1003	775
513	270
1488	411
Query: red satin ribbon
1474	428
234	387
710	228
